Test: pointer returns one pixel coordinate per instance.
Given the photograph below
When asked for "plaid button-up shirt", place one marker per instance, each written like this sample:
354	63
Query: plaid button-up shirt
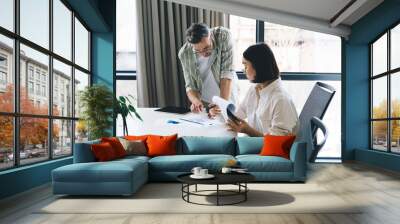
222	59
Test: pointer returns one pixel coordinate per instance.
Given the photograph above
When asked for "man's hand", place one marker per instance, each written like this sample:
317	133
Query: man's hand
197	106
213	110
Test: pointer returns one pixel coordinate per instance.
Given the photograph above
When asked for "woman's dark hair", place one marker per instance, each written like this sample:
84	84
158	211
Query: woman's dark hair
263	61
196	32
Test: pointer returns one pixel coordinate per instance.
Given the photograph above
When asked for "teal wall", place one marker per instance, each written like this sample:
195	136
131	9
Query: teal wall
380	159
103	58
356	84
24	178
90	11
99	15
103	52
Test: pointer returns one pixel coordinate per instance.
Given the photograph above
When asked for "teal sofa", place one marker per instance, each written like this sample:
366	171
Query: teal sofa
125	176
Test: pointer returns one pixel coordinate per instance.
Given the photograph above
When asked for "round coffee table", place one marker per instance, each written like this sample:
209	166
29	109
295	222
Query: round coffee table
238	179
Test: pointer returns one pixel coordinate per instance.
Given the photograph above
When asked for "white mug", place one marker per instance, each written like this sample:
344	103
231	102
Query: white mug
196	171
226	170
203	172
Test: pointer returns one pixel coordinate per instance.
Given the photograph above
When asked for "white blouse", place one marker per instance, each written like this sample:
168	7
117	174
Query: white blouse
269	111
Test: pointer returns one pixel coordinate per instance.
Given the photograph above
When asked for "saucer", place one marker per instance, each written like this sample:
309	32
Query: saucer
208	176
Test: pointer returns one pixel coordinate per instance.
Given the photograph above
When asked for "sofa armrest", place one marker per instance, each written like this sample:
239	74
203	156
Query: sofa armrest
298	155
83	152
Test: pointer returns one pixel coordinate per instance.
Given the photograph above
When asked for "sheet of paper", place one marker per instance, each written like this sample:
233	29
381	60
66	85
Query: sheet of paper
200	119
224	105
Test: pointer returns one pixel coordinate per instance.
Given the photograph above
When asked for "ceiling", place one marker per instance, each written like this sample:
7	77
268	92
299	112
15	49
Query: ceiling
319	9
327	16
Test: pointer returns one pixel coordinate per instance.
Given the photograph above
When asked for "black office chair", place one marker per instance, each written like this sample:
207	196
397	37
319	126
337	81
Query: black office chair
311	118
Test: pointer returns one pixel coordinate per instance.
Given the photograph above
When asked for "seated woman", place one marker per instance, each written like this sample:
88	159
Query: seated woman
267	106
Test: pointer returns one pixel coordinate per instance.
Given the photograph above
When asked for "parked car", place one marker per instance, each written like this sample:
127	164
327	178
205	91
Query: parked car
22	155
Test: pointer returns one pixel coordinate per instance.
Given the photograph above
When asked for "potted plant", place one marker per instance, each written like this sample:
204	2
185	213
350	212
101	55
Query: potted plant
96	102
125	107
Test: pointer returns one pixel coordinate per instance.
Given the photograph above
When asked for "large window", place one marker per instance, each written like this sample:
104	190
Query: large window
125	83
385	95
298	50
243	32
40	80
304	57
126	36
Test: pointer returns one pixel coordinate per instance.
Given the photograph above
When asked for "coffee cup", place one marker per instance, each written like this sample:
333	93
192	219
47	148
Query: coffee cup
226	170
203	172
196	171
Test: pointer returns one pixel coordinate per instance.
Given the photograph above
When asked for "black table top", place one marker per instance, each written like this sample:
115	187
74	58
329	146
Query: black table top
220	178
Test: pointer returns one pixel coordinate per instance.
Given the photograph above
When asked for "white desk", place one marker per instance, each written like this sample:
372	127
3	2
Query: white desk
155	122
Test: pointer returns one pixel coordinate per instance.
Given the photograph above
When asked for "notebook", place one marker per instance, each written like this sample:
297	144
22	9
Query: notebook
175	110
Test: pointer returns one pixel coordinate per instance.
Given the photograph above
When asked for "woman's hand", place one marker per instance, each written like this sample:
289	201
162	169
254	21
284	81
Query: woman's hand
197	106
213	110
243	127
238	126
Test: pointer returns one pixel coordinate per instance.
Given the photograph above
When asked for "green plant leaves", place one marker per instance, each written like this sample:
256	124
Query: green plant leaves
124	105
122	99
97	106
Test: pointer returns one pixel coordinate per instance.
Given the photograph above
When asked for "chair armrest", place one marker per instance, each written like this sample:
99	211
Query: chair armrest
316	147
298	155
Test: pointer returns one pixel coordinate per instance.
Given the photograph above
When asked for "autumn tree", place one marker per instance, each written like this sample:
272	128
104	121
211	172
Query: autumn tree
380	127
396	123
33	131
6	122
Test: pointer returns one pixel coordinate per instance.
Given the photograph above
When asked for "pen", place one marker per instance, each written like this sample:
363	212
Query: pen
190	121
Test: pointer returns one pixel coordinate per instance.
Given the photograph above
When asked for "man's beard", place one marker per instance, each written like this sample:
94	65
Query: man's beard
206	55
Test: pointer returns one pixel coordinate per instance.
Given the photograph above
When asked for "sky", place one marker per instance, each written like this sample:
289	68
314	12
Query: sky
126	25
6	13
35	27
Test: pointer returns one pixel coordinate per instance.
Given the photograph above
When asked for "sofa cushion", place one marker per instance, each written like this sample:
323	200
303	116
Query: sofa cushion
249	145
257	163
103	152
277	145
161	145
136	147
83	152
185	163
136	137
131	158
116	145
112	171
197	145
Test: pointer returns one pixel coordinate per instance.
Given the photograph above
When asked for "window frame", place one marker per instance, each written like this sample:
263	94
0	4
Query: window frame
120	77
388	74
260	34
16	114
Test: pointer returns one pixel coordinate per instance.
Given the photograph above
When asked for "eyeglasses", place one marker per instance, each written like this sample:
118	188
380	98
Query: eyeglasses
207	49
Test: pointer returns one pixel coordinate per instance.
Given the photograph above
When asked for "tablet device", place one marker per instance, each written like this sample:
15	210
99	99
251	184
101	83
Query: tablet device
175	110
232	117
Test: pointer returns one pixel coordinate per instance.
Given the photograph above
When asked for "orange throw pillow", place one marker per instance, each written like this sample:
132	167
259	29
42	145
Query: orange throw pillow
116	145
103	152
277	145
161	145
136	137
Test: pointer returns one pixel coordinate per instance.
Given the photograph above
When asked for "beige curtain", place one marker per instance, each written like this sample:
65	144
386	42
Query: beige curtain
161	33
